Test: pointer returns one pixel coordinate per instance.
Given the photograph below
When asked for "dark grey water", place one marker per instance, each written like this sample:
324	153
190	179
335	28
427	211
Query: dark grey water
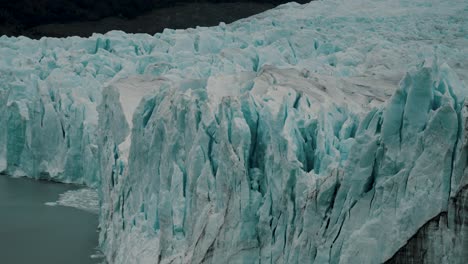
32	232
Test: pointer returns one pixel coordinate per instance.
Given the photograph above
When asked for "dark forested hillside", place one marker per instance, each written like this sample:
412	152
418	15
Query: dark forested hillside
22	17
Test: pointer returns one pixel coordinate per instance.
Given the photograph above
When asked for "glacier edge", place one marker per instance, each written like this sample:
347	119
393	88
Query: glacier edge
243	179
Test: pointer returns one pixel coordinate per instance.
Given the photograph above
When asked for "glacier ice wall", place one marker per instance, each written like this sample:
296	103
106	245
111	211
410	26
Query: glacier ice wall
275	168
290	165
441	240
54	85
306	161
3	103
284	137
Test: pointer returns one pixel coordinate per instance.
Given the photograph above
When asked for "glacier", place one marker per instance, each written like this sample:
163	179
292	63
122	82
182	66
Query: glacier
278	173
330	132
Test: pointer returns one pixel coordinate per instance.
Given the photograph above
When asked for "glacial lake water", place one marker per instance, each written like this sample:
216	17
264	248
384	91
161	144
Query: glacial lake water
33	232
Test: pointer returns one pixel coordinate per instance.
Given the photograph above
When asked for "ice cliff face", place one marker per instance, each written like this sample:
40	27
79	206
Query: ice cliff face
441	240
278	173
337	164
324	133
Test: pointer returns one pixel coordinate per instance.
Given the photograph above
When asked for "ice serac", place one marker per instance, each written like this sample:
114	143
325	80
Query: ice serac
412	166
276	167
48	114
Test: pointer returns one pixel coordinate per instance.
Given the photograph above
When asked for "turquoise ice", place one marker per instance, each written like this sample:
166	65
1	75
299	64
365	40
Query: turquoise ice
321	133
277	173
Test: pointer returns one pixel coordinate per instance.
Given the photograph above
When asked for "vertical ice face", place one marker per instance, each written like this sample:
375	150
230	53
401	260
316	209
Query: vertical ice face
3	120
290	166
276	167
442	239
284	137
49	129
411	171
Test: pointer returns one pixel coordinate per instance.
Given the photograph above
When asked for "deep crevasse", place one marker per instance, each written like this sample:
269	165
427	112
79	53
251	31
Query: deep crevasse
270	139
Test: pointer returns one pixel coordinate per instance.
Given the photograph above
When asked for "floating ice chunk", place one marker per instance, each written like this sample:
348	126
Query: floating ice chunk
83	199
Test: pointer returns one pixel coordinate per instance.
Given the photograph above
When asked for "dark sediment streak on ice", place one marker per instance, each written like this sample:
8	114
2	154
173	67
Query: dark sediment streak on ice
444	237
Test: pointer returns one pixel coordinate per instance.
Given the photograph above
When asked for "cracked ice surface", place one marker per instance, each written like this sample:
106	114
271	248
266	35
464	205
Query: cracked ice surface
284	137
52	86
317	154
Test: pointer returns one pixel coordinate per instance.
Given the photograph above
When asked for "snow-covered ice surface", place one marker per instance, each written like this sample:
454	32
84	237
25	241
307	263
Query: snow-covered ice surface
84	199
321	133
